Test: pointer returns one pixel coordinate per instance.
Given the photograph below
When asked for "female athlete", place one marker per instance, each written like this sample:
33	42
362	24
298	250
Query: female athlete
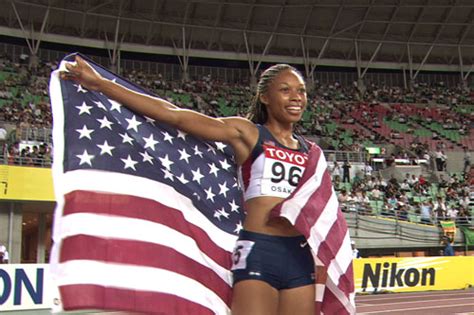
273	268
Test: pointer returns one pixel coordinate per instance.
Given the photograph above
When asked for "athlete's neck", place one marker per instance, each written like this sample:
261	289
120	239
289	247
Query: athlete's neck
283	134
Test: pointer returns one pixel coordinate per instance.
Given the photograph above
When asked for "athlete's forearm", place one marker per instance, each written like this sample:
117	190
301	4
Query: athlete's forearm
153	107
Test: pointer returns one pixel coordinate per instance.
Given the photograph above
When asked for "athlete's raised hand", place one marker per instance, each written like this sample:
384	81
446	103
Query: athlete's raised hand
82	73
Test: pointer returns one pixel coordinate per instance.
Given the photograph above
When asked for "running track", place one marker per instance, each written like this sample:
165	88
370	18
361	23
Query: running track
426	303
458	302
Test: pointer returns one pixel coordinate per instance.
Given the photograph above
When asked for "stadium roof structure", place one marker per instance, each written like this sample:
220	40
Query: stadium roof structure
391	34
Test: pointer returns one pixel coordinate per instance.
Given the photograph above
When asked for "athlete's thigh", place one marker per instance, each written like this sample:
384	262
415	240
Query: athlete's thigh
300	300
254	297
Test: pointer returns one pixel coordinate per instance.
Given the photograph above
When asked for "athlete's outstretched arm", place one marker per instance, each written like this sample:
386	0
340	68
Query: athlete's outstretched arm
233	130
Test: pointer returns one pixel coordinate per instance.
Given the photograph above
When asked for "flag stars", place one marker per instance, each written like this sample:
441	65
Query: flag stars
147	157
182	134
105	123
210	148
221	213
223	189
105	148
129	163
149	120
220	146
209	194
233	206
100	105
85	158
197	176
168	174
80	88
150	142
168	137
126	138
133	123
238	227
184	155
183	180
224	164
115	106
213	169
85	133
197	152
84	108
166	162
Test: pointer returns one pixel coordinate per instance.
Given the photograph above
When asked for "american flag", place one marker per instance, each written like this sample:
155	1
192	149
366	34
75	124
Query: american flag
147	216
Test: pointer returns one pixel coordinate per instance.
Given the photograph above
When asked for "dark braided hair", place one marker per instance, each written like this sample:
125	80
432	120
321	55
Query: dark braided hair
258	111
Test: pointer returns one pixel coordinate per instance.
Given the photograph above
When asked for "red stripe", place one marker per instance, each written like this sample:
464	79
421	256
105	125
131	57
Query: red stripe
346	281
331	304
82	297
145	209
142	254
329	248
315	206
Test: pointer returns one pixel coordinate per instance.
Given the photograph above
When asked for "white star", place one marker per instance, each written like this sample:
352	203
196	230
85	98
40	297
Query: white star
209	194
220	146
223	189
100	105
166	162
115	106
224	213
133	123
238	227
150	142
105	148
80	88
196	151
217	215
168	137
182	134
84	108
197	176
147	157
150	120
85	158
126	138
221	213
225	165
84	132
168	174
213	169
184	155
211	148
233	206
105	123
182	179
129	163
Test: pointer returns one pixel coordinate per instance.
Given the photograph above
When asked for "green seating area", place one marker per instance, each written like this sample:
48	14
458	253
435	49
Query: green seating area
452	135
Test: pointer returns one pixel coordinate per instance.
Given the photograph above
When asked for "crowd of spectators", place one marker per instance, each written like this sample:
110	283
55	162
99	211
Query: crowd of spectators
24	103
414	198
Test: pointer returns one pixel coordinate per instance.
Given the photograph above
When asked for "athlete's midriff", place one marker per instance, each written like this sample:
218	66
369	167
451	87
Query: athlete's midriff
258	218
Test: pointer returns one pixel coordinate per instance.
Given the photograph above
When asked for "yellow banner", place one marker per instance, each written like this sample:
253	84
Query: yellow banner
413	274
26	183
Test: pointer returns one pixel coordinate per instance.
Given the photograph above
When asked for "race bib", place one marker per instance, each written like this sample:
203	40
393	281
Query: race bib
282	170
241	251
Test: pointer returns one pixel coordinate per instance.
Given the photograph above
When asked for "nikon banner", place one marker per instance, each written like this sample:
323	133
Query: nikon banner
413	274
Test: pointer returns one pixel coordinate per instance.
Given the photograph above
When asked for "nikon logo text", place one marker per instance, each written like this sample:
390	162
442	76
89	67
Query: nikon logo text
388	275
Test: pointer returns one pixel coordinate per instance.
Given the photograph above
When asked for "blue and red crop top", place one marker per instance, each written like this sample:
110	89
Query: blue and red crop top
272	169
